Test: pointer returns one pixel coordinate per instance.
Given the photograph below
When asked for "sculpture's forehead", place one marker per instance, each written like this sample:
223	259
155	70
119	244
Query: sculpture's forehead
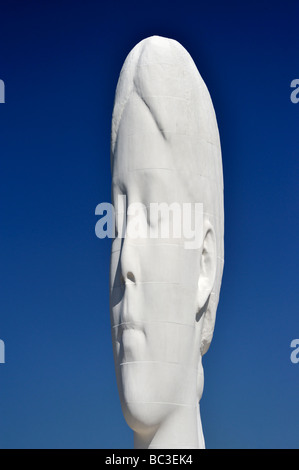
165	142
161	165
161	137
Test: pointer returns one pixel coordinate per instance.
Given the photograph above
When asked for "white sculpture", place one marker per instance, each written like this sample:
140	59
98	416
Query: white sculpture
165	148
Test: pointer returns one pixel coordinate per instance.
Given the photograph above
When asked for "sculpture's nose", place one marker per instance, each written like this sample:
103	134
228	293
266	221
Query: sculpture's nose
127	278
128	264
128	275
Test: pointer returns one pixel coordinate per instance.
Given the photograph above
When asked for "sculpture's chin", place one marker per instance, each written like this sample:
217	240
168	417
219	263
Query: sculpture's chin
144	417
142	395
150	391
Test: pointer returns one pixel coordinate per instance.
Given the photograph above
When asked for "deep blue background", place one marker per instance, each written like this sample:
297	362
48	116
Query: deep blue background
60	62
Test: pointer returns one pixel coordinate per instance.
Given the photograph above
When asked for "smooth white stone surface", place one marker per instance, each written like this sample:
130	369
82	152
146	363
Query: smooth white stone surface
165	147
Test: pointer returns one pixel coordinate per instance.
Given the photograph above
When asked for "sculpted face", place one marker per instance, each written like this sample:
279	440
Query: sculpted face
154	306
159	290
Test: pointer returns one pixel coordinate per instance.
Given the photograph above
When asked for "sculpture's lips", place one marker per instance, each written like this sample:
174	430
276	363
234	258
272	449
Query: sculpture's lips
129	327
133	341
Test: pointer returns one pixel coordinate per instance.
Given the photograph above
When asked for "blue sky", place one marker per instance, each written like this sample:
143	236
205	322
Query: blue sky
60	62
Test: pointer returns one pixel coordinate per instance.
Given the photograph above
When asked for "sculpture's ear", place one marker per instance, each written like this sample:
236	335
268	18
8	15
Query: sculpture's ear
208	264
207	274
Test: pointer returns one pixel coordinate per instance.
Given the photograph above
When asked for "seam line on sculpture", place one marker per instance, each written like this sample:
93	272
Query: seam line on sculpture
155	168
166	96
181	133
172	169
190	325
184	284
155	282
160	362
154	244
158	403
149	282
148	206
160	244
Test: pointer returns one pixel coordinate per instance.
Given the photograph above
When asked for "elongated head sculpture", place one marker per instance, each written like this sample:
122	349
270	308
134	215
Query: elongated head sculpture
164	284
